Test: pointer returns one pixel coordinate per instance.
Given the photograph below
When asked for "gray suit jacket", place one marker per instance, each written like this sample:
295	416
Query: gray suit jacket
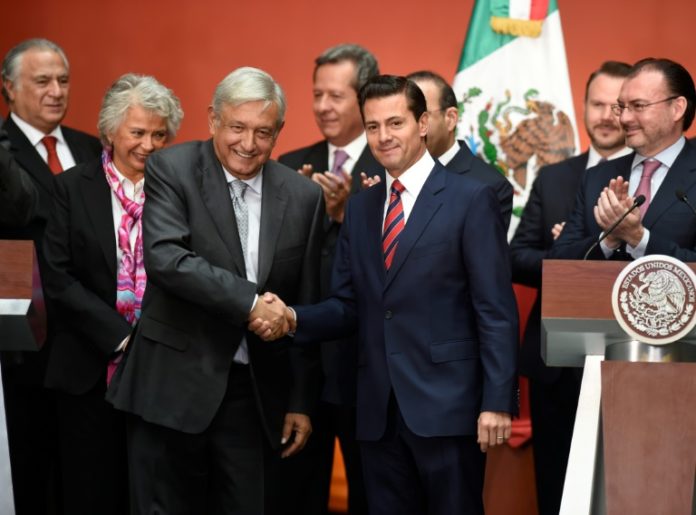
197	300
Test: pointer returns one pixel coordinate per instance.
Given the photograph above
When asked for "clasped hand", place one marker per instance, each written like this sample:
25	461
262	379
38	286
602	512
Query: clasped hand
271	318
613	202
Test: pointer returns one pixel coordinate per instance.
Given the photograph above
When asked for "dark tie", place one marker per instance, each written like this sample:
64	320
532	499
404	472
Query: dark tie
52	160
650	166
393	223
340	158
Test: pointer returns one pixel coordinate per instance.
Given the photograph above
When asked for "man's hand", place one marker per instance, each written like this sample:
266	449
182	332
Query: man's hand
296	430
557	229
336	187
613	202
368	182
306	170
494	428
268	319
264	328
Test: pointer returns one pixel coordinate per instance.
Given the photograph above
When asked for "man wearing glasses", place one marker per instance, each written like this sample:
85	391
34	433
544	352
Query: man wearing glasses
655	106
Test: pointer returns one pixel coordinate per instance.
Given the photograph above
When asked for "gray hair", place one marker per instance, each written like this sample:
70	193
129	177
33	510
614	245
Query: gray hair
132	90
249	84
365	63
13	58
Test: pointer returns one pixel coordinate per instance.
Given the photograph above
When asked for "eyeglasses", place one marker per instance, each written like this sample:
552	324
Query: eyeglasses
637	107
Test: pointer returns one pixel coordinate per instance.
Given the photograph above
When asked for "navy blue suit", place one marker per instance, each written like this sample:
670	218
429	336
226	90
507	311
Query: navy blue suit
671	223
437	333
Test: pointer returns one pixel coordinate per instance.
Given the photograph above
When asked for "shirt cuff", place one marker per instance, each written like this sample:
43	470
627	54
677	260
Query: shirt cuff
639	250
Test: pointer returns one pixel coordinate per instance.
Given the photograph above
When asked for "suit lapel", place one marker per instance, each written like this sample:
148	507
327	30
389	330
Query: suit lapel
96	195
216	197
273	203
680	176
27	156
427	204
373	212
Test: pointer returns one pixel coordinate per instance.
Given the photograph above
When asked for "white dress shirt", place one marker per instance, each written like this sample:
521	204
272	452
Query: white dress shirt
354	149
594	157
412	180
35	136
252	197
449	155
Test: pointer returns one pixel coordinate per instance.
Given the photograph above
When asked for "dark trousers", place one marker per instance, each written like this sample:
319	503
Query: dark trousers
31	431
300	485
92	445
216	472
553	406
407	474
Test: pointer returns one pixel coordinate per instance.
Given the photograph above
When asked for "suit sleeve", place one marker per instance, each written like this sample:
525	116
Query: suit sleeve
171	263
487	265
577	238
335	317
306	360
528	248
18	197
89	315
504	191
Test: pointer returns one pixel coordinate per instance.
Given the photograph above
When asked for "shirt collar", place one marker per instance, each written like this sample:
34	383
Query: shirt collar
122	178
594	157
413	178
354	149
666	157
33	134
449	154
254	184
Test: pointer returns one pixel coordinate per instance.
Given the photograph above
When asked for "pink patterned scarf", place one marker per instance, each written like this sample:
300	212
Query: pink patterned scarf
131	280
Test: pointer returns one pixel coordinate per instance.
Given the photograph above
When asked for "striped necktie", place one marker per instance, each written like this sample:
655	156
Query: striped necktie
393	223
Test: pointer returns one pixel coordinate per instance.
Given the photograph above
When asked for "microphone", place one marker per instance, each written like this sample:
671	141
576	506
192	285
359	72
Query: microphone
682	196
639	201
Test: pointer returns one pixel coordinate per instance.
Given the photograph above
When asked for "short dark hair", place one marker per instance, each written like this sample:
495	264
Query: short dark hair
447	97
678	79
616	69
387	85
365	63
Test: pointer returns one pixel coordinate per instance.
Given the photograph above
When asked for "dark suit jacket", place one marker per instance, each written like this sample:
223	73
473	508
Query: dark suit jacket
440	328
18	197
80	280
550	202
671	223
338	357
466	162
197	299
83	148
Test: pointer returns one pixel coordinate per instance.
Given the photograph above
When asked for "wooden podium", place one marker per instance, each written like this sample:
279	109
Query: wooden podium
22	327
634	441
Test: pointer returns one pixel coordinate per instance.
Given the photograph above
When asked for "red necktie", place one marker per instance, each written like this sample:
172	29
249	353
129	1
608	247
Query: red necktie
52	160
650	166
393	223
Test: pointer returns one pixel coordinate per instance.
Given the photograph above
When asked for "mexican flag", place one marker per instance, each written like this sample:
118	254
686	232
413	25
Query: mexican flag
515	104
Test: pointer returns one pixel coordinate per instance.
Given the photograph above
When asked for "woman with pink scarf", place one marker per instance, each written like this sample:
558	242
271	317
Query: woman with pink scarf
94	280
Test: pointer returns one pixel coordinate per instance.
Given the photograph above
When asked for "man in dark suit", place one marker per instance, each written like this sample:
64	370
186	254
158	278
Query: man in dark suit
437	317
18	197
443	116
221	224
339	74
553	391
35	84
656	105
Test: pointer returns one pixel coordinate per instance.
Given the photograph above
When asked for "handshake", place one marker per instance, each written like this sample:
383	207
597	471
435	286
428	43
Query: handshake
271	318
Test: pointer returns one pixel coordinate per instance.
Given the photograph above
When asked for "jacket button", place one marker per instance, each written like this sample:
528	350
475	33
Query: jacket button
388	315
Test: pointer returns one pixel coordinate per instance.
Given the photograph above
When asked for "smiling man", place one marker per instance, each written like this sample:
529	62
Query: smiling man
221	225
36	86
655	107
422	274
